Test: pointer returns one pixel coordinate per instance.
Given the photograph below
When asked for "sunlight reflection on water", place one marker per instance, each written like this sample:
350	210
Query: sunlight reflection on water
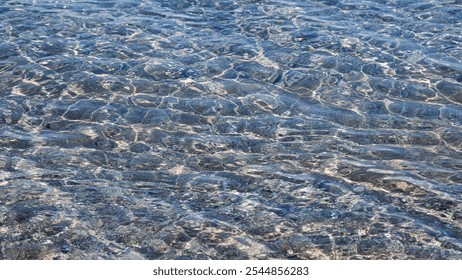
154	129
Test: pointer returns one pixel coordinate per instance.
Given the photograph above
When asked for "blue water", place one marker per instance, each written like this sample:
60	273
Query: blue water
149	129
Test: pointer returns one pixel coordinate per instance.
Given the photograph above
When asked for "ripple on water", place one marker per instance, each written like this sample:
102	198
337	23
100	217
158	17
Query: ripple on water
230	130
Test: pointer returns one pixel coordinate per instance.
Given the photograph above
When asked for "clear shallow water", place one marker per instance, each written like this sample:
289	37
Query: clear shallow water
230	129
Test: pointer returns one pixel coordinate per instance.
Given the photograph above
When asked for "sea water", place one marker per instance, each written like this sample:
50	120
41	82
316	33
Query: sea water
200	129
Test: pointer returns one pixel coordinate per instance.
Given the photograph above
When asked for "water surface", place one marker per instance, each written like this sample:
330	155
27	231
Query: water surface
149	129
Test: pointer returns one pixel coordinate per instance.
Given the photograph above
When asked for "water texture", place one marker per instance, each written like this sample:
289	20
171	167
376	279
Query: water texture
151	129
